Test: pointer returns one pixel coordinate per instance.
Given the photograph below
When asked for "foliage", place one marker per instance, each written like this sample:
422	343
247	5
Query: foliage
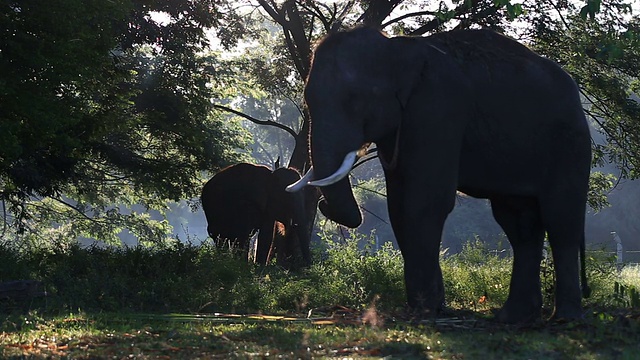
349	272
122	302
104	104
177	277
476	277
626	296
601	52
355	274
600	184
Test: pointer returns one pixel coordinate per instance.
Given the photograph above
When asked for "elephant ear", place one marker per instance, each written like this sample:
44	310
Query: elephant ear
358	55
409	69
382	67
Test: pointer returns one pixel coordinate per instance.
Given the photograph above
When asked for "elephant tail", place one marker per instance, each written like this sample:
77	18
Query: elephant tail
586	290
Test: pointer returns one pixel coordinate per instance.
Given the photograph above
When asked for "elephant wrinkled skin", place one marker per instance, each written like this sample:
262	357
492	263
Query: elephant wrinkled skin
467	110
243	198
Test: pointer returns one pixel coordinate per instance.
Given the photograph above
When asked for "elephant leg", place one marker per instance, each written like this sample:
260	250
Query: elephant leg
421	253
265	242
521	222
565	226
284	245
418	235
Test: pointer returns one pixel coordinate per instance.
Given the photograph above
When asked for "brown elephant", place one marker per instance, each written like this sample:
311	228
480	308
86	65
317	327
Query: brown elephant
243	198
467	110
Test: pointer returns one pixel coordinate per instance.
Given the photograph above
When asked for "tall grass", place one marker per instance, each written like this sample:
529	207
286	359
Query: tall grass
182	277
476	278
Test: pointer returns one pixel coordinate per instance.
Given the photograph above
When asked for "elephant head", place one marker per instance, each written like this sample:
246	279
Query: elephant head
468	110
352	101
243	198
288	208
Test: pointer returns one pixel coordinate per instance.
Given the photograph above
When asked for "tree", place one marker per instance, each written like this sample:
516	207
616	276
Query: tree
601	52
102	104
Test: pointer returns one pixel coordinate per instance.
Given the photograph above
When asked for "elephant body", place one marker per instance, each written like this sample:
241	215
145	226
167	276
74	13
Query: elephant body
467	110
243	198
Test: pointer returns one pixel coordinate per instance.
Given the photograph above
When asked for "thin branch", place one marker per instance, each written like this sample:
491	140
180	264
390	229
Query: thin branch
259	122
603	111
345	11
315	12
76	209
4	217
374	214
564	21
405	16
460	10
370	190
292	100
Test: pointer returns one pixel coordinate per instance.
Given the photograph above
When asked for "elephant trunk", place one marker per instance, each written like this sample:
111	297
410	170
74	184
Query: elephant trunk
339	205
331	150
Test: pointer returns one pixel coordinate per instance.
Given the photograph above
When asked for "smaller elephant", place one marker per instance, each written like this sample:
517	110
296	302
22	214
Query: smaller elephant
243	198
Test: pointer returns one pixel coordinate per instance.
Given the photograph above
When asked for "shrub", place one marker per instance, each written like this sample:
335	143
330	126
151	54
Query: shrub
475	277
349	273
178	277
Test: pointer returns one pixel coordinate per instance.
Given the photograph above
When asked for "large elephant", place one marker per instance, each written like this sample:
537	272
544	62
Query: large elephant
467	110
243	198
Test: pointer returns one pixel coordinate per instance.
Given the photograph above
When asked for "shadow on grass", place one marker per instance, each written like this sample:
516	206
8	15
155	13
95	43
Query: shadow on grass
605	333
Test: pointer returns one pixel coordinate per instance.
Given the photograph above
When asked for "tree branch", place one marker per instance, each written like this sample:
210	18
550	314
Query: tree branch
300	41
85	216
459	11
405	16
378	10
257	121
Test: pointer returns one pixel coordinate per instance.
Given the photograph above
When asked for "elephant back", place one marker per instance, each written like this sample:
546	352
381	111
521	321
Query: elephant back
237	193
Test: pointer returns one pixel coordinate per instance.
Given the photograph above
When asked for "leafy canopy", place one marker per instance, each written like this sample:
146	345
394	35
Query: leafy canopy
102	103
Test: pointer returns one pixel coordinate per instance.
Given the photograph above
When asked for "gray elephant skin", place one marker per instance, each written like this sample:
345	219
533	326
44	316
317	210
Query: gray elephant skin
243	198
467	110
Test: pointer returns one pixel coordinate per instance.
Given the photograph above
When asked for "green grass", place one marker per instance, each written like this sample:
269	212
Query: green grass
161	303
106	336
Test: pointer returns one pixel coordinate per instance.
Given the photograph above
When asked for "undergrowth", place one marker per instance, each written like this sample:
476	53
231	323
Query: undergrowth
186	278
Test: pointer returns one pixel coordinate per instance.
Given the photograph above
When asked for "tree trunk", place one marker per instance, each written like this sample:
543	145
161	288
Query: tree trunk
300	160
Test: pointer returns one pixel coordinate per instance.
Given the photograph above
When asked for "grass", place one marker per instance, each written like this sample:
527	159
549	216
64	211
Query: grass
107	336
187	301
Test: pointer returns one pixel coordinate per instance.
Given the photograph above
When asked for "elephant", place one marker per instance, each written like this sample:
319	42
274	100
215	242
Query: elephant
243	198
466	110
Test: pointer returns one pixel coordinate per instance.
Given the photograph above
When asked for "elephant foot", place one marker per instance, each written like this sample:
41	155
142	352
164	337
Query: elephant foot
510	314
421	314
567	314
427	309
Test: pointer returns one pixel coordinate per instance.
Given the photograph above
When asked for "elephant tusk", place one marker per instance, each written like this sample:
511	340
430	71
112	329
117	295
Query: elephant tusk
304	181
343	171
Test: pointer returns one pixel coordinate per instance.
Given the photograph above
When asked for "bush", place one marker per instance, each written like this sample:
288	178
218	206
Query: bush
475	278
354	274
345	272
180	277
